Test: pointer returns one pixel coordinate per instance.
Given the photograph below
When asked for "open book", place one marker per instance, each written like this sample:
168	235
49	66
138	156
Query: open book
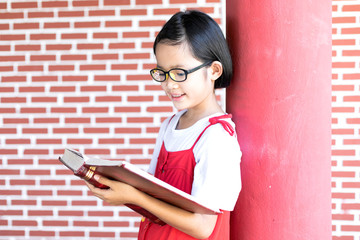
85	168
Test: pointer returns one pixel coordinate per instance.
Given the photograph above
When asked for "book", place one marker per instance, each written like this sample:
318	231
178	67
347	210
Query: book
86	167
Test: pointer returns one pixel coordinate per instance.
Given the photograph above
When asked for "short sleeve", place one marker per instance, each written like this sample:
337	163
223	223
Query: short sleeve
217	178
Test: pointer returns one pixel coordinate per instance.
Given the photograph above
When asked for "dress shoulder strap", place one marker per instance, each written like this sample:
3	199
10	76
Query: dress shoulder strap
219	119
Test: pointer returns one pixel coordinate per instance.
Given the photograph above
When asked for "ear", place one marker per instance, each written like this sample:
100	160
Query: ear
216	70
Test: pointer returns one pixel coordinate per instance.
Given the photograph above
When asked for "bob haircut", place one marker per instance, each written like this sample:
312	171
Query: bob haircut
204	37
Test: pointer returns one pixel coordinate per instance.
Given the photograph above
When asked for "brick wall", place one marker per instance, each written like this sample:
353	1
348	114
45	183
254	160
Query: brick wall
76	74
346	120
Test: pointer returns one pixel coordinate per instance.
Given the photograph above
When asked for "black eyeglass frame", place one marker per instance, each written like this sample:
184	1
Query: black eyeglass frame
167	73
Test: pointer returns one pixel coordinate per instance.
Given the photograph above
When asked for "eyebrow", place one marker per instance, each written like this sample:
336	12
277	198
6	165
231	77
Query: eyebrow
172	67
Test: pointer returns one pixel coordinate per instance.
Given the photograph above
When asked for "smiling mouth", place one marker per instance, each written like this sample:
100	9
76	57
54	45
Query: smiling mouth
176	96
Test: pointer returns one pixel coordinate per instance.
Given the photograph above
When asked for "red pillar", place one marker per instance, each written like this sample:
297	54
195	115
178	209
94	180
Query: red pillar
281	102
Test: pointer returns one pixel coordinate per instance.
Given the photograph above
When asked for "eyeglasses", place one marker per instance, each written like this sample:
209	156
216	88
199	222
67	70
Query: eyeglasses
176	74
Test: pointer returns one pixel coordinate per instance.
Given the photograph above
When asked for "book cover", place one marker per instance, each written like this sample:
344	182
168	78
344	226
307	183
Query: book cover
85	168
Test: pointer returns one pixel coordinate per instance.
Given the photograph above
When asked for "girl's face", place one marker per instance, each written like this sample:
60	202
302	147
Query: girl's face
197	91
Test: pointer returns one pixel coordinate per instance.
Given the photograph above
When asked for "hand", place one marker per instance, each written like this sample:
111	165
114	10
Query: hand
118	194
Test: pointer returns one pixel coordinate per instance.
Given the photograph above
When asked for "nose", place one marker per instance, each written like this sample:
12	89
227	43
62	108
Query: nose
169	83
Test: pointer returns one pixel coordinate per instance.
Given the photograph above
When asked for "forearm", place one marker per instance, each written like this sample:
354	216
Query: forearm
196	225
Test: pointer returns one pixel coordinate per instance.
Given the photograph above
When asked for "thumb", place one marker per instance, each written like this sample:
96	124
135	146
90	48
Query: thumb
102	180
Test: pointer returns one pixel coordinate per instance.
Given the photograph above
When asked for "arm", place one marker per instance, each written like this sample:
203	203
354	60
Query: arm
196	225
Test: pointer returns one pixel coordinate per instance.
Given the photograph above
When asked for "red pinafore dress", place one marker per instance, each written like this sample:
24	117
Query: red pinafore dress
177	169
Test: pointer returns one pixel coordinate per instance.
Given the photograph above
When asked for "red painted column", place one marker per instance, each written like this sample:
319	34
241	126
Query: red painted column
281	101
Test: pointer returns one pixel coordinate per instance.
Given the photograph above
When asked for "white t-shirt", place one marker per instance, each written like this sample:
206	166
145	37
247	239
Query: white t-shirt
217	154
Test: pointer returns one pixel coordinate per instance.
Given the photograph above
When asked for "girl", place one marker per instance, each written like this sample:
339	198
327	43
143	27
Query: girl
196	150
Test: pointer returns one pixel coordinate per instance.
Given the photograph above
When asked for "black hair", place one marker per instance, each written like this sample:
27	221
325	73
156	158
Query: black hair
204	37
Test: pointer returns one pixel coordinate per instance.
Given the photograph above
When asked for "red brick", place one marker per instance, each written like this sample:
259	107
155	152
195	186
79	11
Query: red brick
108	99
12	233
8	152
116	2
65	130
74	36
9	172
96	130
54	203
57	68
85	3
151	23
56	47
43	36
53	223
124	67
4	26
54	4
122	88
127	109
36	152
13	100
107	78
69	193
11	15
13	79
10	192
93	13
23	202
133	12
140	98
22	5
118	23
140	120
76	99
159	109
74	78
95	110
40	14
102	234
15	120
111	141
87	24
17	141
102	35
42	233
344	42
166	11
49	141
42	57
71	213
136	34
63	110
107	56
137	56
26	26
108	120
71	14
351	8
87	46
39	212
128	130
92	67
56	25
29	223
77	120
29	68
7	89
32	110
12	59
121	45
72	234
350	30
46	120
79	141
39	192
6	69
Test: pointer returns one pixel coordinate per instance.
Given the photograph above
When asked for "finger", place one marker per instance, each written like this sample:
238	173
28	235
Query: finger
103	180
